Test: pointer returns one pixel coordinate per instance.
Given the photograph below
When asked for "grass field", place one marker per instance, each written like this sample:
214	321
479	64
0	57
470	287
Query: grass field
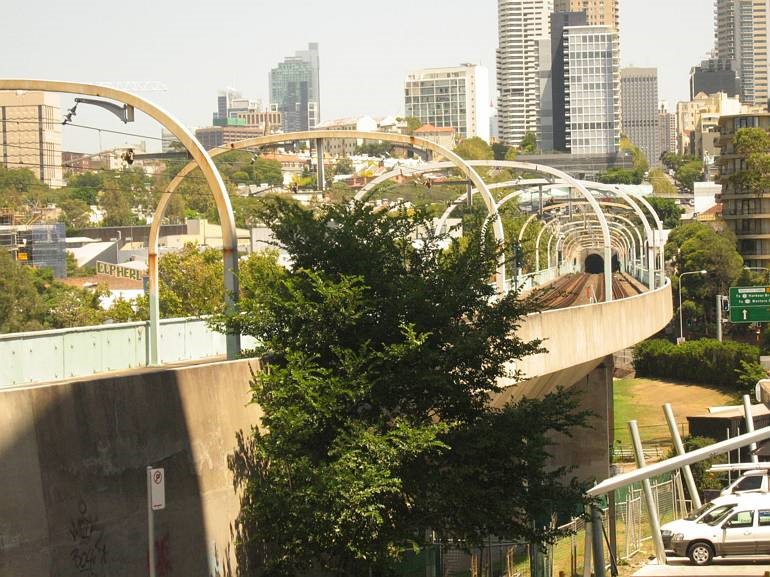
643	399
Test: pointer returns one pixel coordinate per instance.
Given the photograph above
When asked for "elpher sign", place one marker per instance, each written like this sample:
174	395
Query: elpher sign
118	271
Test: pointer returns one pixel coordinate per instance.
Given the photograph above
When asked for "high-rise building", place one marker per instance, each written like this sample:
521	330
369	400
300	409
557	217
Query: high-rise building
295	90
745	208
689	117
639	99
714	75
598	12
31	135
666	129
558	81
590	90
521	23
456	97
741	30
224	103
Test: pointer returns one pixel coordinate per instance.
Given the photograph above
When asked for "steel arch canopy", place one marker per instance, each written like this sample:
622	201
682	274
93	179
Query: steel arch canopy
200	159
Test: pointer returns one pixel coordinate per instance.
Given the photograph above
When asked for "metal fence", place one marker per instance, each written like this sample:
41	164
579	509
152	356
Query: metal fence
632	525
41	356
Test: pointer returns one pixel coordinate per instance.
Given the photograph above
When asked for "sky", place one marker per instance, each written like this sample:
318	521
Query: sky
198	47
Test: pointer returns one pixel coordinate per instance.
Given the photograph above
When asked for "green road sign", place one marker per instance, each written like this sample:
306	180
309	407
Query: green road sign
749	304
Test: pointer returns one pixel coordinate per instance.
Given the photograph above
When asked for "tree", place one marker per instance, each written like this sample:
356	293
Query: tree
344	166
474	148
85	186
191	282
267	171
22	307
412	123
753	144
383	352
689	173
696	246
500	150
620	176
661	185
116	205
528	144
668	211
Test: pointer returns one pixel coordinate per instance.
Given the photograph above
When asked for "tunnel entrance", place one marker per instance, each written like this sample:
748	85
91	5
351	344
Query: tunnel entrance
594	264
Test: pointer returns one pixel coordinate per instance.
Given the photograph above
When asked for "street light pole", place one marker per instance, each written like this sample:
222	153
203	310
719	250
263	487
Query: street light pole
681	276
767	270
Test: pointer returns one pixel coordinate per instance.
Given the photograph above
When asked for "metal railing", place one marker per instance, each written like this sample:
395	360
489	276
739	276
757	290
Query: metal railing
43	356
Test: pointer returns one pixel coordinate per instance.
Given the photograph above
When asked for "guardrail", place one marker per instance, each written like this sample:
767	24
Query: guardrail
41	356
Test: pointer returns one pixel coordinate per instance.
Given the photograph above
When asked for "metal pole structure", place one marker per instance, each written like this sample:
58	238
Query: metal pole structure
750	426
150	525
200	159
679	447
587	550
597	542
652	508
719	318
321	171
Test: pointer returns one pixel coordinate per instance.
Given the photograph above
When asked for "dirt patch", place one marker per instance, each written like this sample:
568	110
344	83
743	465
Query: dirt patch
685	399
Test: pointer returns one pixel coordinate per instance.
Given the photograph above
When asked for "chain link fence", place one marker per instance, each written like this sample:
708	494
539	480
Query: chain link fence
632	524
565	557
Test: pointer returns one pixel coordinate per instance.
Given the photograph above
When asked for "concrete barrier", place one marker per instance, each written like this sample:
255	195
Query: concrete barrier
73	472
578	338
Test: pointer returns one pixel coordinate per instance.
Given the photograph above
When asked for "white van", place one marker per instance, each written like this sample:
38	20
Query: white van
751	481
744	530
707	513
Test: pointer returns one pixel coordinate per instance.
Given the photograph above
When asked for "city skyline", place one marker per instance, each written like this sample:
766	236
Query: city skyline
362	63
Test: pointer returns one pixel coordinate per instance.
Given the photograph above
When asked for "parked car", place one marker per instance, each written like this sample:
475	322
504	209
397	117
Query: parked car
751	481
708	512
744	530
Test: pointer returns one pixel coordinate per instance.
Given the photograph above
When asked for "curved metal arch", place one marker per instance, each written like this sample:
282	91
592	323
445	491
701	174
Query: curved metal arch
569	181
659	224
200	159
610	215
578	247
631	226
570	228
577	229
413	141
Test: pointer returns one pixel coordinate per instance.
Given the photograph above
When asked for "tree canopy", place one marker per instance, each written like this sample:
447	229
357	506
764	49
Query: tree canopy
474	148
668	210
383	351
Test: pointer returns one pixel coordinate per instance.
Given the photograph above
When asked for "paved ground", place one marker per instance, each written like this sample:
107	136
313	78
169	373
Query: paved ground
735	567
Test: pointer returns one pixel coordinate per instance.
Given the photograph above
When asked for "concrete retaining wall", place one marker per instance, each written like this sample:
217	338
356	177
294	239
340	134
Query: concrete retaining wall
578	338
73	499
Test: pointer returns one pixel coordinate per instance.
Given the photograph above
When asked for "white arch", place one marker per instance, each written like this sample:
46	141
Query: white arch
200	159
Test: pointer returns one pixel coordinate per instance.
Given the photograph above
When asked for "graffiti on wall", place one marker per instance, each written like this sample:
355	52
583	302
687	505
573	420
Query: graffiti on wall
89	552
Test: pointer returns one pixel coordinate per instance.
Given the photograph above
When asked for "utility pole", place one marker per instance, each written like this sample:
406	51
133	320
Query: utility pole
719	317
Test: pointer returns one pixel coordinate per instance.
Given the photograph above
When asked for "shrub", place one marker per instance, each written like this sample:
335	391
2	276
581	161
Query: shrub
705	361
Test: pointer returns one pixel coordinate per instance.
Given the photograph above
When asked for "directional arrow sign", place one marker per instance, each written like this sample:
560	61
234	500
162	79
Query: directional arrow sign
750	304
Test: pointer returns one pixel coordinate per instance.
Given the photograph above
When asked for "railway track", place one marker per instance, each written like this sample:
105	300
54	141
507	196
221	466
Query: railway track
583	288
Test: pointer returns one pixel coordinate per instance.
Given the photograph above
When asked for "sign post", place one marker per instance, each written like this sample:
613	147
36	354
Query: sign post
750	304
156	500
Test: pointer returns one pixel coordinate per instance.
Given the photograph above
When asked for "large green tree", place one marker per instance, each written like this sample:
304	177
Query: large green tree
696	246
22	308
383	352
668	211
474	148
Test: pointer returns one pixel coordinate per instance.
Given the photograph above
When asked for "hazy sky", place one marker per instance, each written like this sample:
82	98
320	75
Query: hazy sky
366	48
